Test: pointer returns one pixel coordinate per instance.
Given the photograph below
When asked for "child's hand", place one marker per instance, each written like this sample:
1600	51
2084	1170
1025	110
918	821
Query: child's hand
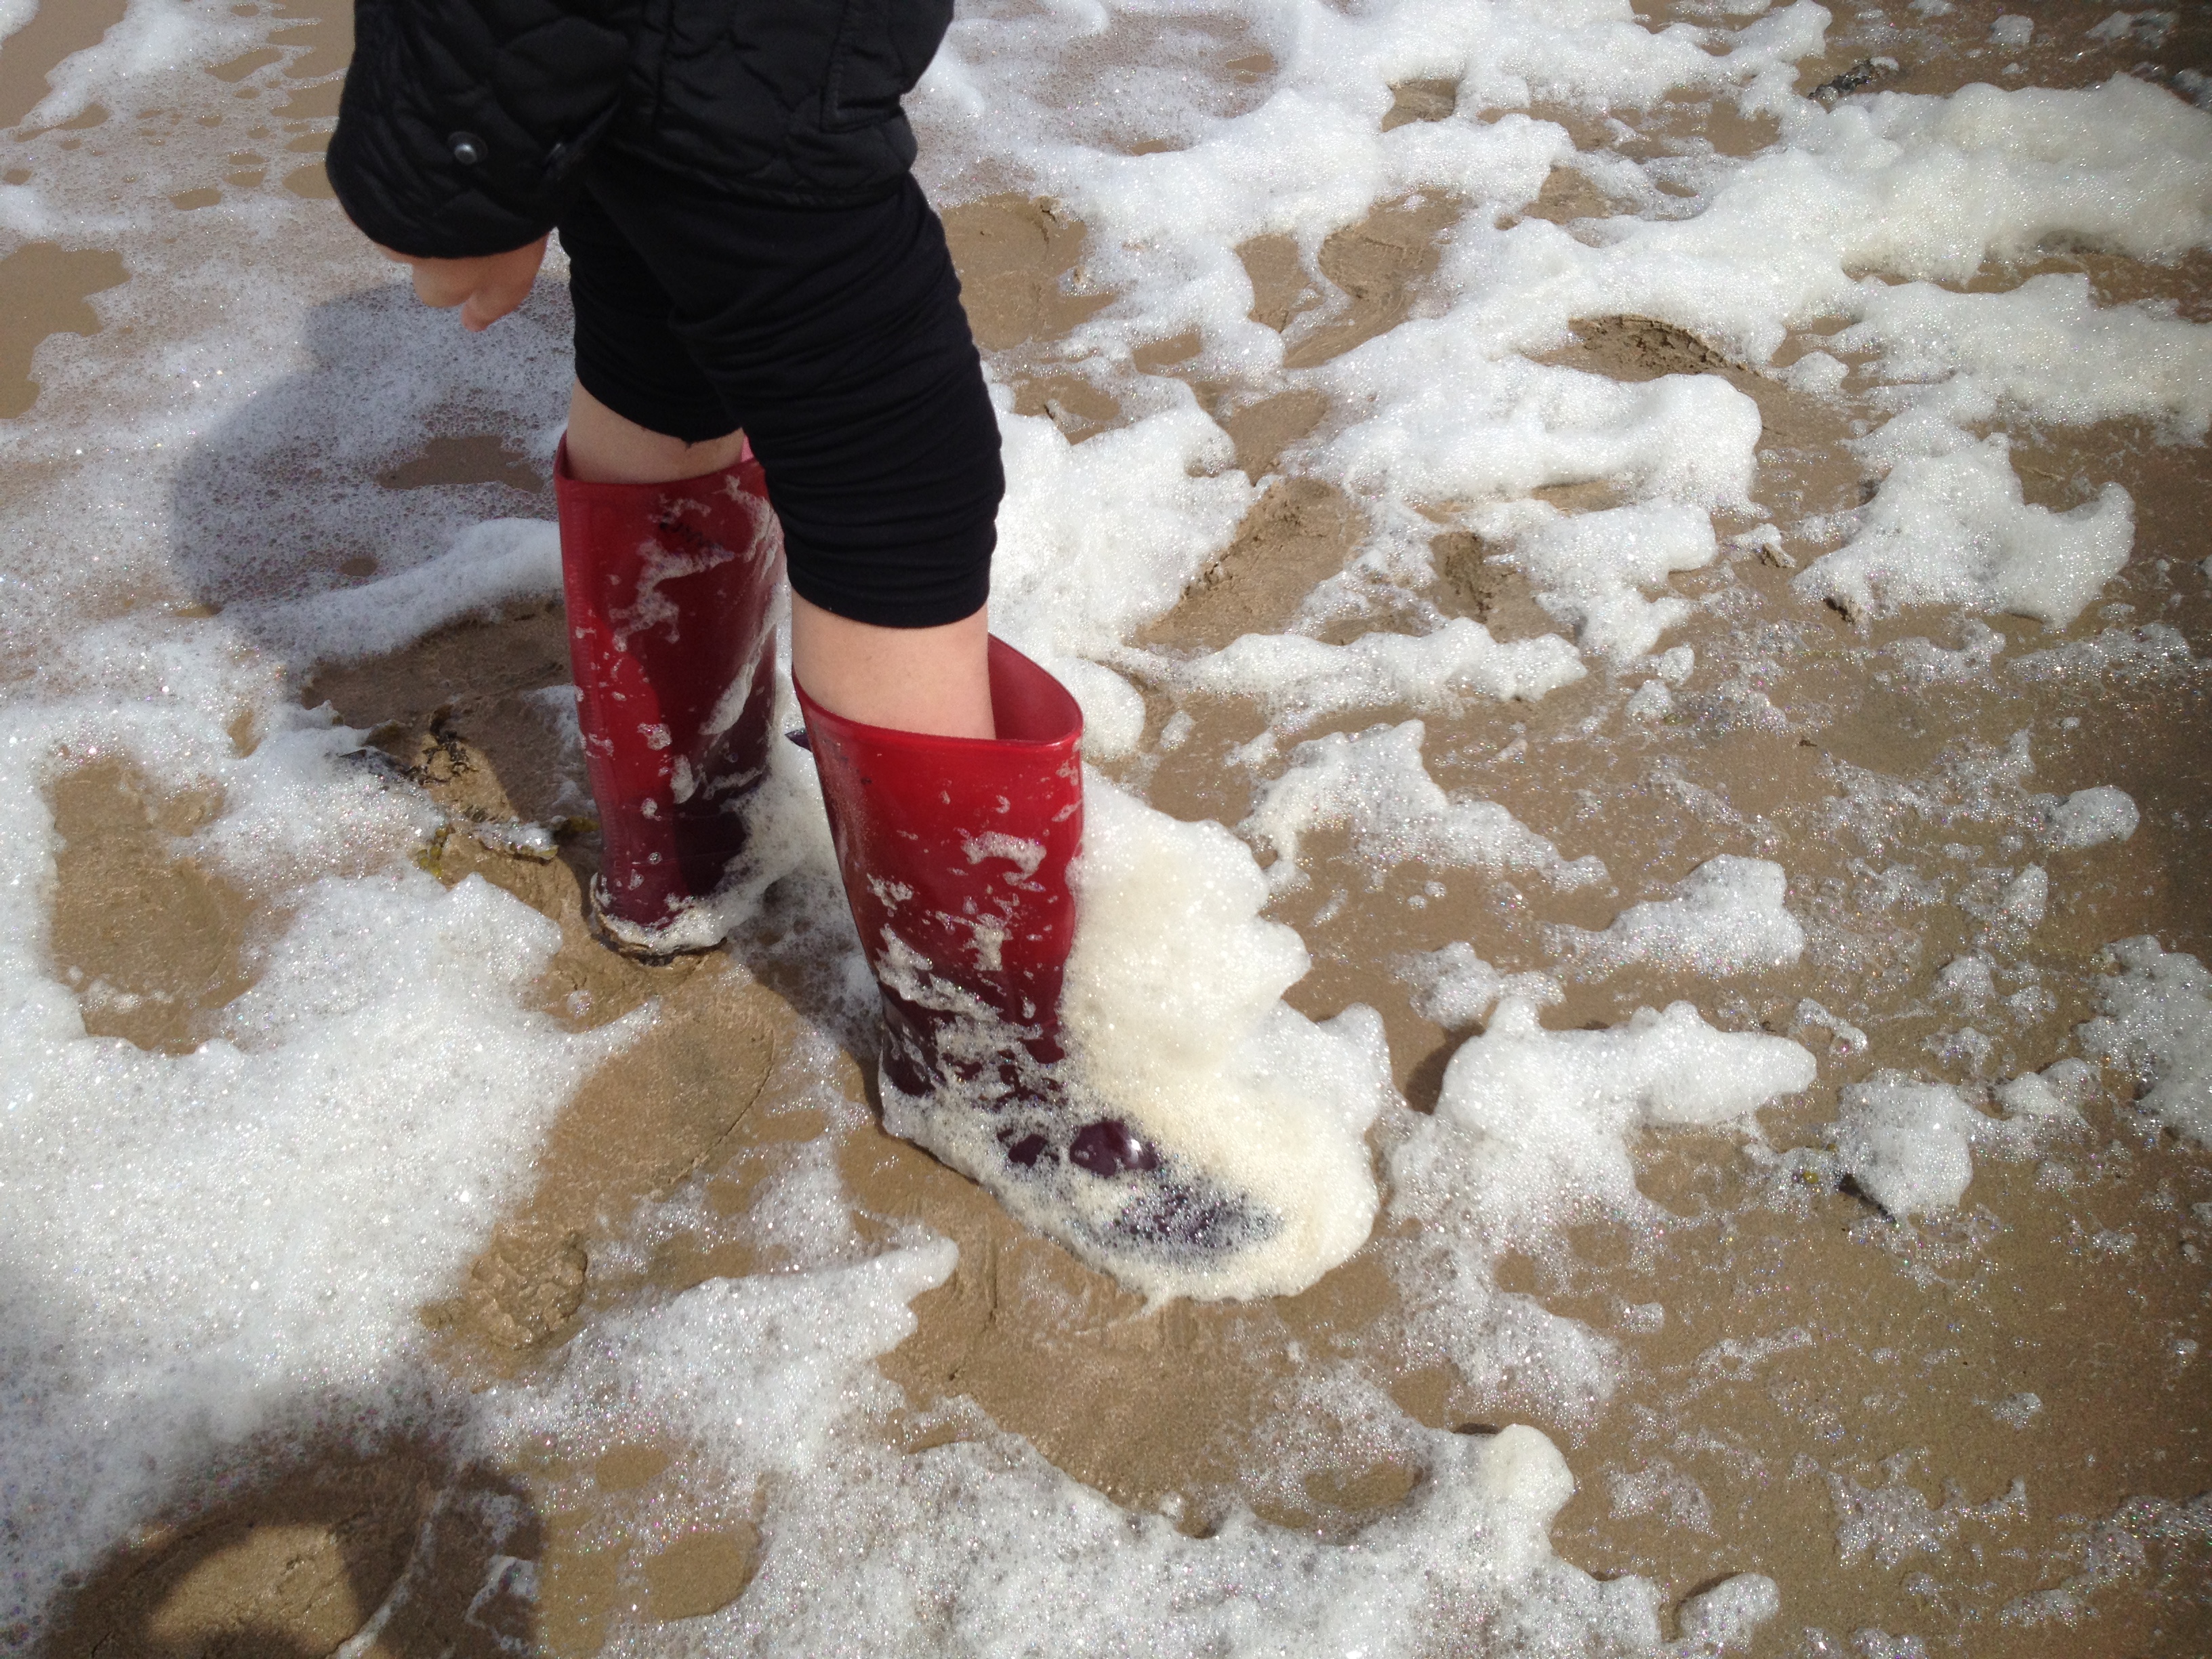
486	287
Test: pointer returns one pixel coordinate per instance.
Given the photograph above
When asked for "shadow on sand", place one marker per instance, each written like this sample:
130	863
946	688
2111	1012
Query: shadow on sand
400	431
325	1547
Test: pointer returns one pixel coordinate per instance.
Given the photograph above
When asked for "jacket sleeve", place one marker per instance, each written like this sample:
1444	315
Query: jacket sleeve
464	123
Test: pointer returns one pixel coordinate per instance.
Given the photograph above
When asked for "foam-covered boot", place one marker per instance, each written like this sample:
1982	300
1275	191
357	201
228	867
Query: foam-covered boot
671	591
955	853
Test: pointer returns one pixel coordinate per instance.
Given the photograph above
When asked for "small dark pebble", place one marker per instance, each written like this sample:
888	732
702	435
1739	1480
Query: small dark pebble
1867	72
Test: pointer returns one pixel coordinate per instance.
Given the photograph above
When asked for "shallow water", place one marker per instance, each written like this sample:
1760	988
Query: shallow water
1609	525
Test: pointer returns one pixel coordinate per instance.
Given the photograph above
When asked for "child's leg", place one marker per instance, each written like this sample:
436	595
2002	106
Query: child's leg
604	447
913	679
672	566
837	338
930	680
951	765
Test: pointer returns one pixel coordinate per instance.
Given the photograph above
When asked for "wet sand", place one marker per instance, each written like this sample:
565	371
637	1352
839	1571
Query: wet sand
1815	1359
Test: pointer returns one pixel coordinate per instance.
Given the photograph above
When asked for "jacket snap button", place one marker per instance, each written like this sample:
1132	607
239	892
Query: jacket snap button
468	149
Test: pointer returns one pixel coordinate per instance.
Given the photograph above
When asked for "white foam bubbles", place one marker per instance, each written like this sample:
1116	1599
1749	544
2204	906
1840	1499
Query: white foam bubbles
1908	1145
2054	1096
2150	27
1729	1613
1588	569
2152	650
1300	680
1447	418
1543	1117
149	38
241	1228
2046	347
768	1370
767	1388
1988	172
1954	528
491	565
1444	409
1096	540
2091	817
2024	898
1969	981
1018	94
1113	709
2157	1023
981	1547
2018	1411
1455	988
1375	785
1533	1130
1173	1008
1726	917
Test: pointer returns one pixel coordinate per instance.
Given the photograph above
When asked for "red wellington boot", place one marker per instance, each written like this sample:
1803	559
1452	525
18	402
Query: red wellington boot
670	590
955	855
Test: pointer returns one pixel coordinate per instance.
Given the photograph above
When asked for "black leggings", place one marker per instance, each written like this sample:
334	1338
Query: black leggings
835	337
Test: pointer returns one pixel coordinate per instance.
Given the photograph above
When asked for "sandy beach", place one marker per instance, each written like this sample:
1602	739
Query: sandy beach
1972	1426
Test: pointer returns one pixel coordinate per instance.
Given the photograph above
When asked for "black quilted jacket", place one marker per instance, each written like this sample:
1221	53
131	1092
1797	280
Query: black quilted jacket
467	125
